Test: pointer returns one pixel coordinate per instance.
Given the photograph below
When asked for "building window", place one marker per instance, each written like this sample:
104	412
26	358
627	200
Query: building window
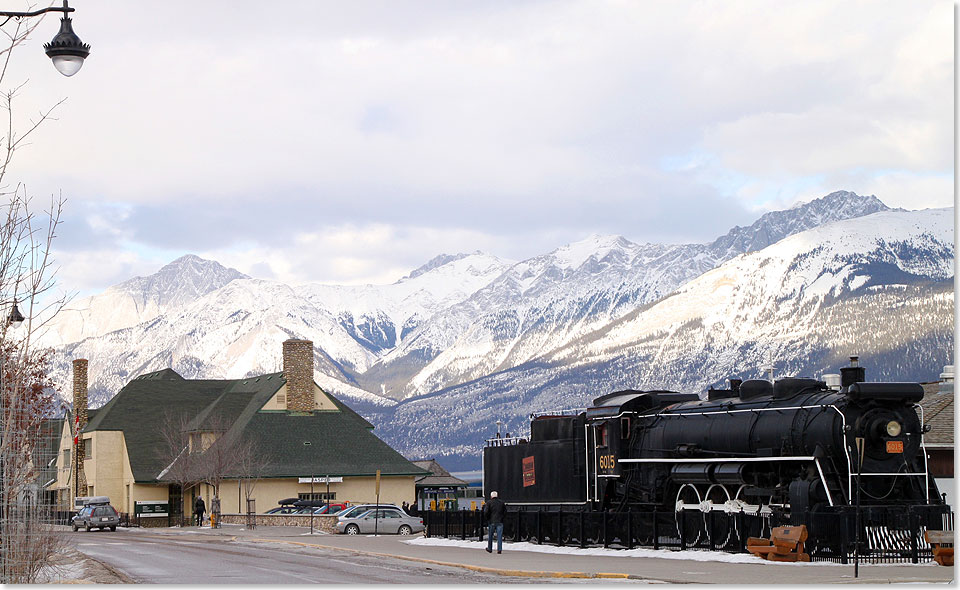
317	496
66	458
88	448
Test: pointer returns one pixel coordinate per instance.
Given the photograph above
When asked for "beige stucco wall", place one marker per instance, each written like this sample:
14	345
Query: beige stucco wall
106	469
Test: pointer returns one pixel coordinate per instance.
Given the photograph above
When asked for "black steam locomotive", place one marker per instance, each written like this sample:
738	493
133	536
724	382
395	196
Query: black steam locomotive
793	445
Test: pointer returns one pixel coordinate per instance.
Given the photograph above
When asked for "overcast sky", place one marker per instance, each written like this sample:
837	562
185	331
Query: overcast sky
350	142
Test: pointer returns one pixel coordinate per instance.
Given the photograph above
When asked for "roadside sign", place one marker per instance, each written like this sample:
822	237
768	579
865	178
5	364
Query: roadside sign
337	479
148	508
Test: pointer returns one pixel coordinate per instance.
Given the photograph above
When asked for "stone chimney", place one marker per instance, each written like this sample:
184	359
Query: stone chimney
80	422
298	371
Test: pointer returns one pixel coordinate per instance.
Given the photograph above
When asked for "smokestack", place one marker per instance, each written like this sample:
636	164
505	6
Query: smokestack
852	374
298	371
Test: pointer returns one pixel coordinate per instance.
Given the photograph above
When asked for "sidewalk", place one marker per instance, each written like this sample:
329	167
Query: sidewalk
524	559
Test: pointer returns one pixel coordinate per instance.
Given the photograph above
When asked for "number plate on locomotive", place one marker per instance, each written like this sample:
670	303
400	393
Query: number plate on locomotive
894	446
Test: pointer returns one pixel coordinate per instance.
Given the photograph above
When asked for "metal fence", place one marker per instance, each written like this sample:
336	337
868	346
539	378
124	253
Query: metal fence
28	507
887	534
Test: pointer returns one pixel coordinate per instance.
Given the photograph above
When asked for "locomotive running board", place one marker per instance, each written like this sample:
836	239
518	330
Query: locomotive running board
816	461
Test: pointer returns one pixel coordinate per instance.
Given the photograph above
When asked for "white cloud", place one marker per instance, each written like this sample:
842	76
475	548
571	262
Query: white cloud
491	122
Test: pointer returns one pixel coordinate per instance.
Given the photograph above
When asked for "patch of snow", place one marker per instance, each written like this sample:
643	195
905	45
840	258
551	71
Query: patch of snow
686	555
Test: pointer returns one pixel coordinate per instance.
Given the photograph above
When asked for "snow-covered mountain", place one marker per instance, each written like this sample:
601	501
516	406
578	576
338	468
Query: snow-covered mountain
542	303
879	286
231	325
469	338
137	300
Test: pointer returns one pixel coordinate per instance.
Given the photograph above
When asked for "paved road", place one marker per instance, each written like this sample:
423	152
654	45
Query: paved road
233	554
165	559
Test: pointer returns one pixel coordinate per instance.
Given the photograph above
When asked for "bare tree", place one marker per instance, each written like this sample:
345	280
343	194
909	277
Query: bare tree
216	453
174	452
250	467
227	455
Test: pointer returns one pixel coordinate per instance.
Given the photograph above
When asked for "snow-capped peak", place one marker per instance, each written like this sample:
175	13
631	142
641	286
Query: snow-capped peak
574	254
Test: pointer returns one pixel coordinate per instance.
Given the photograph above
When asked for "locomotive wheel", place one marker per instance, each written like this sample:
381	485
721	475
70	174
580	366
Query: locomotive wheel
757	525
720	522
690	521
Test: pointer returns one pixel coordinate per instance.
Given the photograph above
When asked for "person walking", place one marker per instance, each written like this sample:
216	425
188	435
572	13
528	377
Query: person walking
199	507
493	512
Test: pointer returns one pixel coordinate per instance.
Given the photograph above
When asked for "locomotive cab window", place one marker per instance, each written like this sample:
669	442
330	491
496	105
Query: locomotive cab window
625	427
602	435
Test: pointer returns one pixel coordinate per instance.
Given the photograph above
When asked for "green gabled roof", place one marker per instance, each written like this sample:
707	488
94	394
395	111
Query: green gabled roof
339	444
139	409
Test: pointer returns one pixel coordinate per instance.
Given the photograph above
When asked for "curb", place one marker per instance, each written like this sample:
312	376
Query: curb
476	568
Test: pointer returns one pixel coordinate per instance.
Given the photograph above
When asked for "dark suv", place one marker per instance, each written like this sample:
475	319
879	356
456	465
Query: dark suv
99	516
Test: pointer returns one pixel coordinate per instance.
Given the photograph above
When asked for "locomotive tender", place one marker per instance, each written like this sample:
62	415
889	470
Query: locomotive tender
758	446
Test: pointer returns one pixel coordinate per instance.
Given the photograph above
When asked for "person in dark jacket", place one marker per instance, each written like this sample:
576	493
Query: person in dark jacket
199	507
493	512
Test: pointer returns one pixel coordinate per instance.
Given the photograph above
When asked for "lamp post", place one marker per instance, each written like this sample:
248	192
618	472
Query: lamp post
66	49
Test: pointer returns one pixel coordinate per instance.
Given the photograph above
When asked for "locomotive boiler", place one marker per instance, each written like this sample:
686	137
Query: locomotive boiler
794	445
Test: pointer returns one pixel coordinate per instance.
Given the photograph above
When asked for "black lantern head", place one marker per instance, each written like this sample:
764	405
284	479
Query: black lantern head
66	49
15	318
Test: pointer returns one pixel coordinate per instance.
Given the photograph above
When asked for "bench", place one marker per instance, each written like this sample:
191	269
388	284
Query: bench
941	542
785	544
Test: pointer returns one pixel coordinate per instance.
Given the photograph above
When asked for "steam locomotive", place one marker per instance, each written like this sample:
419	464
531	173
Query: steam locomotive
792	445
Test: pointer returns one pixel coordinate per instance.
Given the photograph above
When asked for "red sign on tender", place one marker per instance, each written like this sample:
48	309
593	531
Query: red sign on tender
529	477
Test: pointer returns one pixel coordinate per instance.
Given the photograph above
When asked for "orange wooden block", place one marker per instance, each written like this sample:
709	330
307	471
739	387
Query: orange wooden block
758	542
788	557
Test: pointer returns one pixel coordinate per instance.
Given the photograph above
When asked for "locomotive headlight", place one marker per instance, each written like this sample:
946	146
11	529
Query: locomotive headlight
893	428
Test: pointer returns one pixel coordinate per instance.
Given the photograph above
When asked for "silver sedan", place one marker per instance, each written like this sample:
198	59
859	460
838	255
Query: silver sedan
385	520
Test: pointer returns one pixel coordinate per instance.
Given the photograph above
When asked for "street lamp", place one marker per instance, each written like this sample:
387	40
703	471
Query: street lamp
66	49
15	318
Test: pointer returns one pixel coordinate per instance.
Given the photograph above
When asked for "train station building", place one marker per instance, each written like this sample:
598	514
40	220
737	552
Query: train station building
276	436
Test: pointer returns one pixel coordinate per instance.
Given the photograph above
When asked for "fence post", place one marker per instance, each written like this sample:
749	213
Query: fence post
606	540
560	527
844	537
582	540
741	531
446	524
683	530
656	530
914	521
711	530
539	526
463	525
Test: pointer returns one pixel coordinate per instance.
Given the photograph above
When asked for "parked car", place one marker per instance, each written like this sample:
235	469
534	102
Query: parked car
286	506
97	513
283	510
333	508
359	509
325	509
384	520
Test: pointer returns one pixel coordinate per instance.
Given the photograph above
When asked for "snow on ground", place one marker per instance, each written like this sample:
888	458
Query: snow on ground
688	555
